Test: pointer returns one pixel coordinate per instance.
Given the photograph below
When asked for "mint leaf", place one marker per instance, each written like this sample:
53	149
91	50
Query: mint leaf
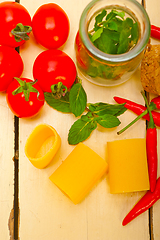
125	36
111	16
97	34
119	23
99	18
105	108
92	71
112	26
121	111
113	34
128	24
123	42
134	33
81	130
77	99
61	104
108	121
114	15
105	43
120	14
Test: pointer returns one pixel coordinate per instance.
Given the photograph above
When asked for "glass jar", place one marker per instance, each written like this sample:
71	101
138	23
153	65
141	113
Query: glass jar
110	69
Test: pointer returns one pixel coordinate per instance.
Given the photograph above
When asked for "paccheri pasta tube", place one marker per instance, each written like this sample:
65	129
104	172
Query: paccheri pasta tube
79	172
127	161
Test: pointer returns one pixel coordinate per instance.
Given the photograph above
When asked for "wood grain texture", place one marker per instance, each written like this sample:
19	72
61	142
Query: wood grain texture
45	212
153	8
6	167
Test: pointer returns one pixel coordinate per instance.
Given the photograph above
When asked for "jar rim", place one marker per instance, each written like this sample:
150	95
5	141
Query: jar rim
114	58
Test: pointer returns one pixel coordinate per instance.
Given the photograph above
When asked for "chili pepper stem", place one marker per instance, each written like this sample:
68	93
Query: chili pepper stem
151	122
152	107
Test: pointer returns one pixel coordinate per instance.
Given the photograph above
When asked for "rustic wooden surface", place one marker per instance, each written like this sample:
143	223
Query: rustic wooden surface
45	212
6	166
153	11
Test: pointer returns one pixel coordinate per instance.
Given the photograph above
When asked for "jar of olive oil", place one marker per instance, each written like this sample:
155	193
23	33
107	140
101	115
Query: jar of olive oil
111	40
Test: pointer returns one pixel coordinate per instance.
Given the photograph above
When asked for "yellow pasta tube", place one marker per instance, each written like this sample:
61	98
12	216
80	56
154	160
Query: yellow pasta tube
42	145
79	172
128	170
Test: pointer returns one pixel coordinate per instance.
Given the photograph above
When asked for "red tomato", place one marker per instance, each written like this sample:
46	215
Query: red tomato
50	26
12	13
19	105
53	66
11	65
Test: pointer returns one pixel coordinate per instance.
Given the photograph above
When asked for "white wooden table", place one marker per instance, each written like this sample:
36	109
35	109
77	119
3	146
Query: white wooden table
45	213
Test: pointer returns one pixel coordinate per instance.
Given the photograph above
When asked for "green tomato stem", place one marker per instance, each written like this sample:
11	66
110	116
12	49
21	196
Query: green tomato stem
20	32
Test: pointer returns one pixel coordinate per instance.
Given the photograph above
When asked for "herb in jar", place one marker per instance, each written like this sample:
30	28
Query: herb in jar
113	33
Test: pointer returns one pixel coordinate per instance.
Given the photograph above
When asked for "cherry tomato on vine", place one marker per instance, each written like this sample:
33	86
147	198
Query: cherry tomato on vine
11	65
14	18
53	66
50	26
24	97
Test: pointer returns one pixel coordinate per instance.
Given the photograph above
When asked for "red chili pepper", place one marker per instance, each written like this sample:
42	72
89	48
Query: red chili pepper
155	32
138	109
151	149
144	204
156	100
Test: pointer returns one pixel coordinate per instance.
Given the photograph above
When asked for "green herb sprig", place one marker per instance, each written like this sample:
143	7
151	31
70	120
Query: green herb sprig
113	33
75	102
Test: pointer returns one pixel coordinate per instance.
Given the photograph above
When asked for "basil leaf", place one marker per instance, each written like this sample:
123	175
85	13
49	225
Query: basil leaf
81	130
108	121
77	99
61	104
